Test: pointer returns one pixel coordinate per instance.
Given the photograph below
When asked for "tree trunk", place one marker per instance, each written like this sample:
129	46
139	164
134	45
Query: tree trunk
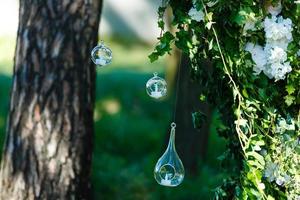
191	142
48	148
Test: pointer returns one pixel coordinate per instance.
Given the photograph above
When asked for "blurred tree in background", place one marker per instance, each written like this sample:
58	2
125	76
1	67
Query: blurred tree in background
191	141
48	146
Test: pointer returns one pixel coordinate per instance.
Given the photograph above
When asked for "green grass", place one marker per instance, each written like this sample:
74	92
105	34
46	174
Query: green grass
129	130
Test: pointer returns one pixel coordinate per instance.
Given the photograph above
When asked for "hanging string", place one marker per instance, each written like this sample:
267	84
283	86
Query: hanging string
177	87
165	4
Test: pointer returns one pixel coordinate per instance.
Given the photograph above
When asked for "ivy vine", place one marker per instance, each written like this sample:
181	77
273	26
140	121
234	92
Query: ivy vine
260	113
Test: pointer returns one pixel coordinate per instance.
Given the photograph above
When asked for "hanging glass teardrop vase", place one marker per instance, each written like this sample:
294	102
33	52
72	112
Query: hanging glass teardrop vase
169	170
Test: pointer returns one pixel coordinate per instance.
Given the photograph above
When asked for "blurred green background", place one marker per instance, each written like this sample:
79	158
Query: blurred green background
130	128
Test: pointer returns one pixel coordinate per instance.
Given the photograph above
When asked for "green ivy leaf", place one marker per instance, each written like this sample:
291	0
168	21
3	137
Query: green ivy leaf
167	37
209	25
289	99
209	16
183	41
259	158
239	18
163	47
210	46
161	24
290	89
242	15
255	164
245	93
153	57
262	94
270	197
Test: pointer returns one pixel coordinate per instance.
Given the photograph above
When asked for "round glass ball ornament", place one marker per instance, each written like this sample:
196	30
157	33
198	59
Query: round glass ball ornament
101	55
156	87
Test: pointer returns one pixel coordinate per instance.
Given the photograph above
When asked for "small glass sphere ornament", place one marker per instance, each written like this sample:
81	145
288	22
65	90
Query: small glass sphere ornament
169	170
156	87
101	55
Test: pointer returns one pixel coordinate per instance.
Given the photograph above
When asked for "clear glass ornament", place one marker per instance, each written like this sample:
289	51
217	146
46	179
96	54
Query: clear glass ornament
101	55
156	87
169	170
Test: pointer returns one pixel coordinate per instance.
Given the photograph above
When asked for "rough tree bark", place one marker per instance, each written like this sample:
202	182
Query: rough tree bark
48	148
190	141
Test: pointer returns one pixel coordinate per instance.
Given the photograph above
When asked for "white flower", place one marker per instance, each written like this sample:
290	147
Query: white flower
283	43
277	28
278	70
282	125
269	72
196	15
258	56
272	58
272	174
277	54
275	10
271	171
280	181
287	178
297	1
256	148
261	186
249	25
263	152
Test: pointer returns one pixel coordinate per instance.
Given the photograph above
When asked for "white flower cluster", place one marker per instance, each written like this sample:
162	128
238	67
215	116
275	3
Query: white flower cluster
272	173
283	159
284	125
196	15
272	58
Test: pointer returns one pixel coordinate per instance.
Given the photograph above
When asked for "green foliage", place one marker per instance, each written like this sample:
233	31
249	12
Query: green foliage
220	64
163	47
